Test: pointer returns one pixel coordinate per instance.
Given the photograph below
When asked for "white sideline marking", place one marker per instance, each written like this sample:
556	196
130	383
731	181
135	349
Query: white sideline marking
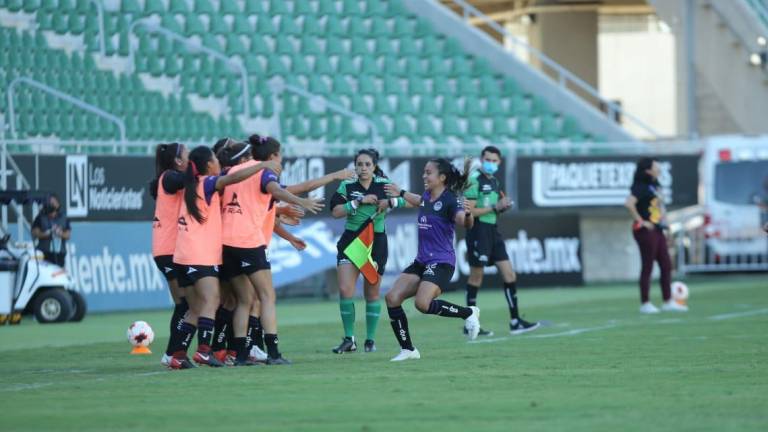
738	314
574	332
20	387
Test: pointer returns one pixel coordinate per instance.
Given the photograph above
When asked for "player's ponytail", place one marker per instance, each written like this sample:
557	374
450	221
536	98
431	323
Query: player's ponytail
455	180
263	147
198	165
165	159
374	155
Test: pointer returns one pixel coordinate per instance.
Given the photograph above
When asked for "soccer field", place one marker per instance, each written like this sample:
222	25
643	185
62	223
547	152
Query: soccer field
598	365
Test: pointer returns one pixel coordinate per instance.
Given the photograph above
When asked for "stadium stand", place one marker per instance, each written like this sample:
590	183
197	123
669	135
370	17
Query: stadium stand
373	58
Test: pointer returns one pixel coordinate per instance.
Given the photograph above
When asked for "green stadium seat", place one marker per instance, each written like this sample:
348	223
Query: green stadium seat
392	85
369	66
571	129
302	8
518	105
500	127
524	132
346	66
441	86
230	8
275	66
476	126
509	87
460	66
548	129
241	25
383	47
311	27
357	27
358	47
130	6
218	26
494	106
392	66
402	128
253	7
278	7
381	105
204	7
351	8
259	45
402	27
451	126
472	106
539	106
333	46
317	85
452	48
359	105
288	26
193	26
178	7
379	27
416	86
340	86
436	66
151	7
427	105
408	47
404	105
283	46
299	65
449	106
366	85
235	46
31	5
334	26
327	7
264	25
465	85
425	126
375	8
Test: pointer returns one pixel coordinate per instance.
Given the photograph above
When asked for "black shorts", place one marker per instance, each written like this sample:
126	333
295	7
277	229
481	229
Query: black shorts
485	246
239	261
379	254
166	266
439	274
189	274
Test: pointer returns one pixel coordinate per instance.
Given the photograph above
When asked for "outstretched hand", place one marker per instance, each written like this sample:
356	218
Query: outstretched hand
314	205
392	190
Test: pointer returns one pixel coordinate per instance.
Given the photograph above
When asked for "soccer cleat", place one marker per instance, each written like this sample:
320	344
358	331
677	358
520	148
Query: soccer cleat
246	362
278	361
472	323
347	345
257	355
369	346
407	355
648	308
482	332
207	358
180	363
221	355
520	326
166	360
673	306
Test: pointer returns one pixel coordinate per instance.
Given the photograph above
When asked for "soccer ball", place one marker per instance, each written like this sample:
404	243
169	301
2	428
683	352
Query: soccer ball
680	292
140	334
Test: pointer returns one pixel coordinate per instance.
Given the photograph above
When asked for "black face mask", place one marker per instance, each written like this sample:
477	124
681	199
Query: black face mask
49	209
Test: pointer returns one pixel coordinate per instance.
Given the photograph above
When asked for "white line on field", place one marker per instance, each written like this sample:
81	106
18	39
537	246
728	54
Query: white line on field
572	332
738	314
20	387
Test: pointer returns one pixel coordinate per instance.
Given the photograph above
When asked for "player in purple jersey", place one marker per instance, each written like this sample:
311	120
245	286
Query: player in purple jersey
440	210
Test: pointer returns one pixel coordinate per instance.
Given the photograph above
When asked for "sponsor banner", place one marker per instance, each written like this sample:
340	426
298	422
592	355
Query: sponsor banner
599	181
114	188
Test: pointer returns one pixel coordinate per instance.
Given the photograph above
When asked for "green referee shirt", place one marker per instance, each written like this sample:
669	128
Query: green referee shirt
352	189
484	190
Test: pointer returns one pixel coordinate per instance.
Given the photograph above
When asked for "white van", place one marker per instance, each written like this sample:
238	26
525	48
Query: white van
734	195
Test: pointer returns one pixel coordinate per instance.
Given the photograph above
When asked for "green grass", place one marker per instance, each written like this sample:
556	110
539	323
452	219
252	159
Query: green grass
599	365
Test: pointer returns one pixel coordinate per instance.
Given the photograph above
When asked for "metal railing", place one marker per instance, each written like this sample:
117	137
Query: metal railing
61	95
22	223
192	46
279	86
563	75
750	43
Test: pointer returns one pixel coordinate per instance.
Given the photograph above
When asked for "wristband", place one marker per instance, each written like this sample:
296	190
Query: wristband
350	208
402	193
393	202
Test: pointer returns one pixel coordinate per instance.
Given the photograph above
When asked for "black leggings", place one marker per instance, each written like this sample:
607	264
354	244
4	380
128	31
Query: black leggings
653	247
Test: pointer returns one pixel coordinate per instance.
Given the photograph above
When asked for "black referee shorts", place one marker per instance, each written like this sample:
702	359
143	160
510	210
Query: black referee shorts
485	246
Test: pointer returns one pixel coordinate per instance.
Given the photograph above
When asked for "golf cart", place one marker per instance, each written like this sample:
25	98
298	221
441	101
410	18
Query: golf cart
28	283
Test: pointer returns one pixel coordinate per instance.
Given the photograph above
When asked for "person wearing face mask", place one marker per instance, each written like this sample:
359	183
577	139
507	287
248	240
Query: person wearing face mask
51	228
485	246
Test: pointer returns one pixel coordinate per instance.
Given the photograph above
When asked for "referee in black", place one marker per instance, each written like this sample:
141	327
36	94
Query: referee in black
485	246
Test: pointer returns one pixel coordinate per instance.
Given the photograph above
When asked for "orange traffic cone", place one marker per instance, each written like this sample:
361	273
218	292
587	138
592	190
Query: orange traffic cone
141	350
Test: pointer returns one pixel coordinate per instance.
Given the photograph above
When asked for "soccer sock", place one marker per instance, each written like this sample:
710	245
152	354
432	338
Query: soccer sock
205	334
347	309
230	333
187	332
254	326
372	314
271	341
400	326
222	327
472	295
447	309
258	333
239	344
177	319
510	293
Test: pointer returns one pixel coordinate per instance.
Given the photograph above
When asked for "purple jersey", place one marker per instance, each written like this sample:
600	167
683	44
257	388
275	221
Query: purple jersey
436	229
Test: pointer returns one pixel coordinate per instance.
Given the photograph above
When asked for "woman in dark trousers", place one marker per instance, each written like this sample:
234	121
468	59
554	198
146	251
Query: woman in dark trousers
646	205
51	229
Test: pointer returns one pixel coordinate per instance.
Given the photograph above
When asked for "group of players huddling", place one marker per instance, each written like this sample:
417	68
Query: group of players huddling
217	209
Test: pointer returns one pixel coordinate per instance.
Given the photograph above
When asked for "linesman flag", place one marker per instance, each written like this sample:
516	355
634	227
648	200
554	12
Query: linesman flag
359	249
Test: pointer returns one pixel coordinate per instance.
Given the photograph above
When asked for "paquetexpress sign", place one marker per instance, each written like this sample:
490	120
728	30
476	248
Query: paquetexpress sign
599	181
